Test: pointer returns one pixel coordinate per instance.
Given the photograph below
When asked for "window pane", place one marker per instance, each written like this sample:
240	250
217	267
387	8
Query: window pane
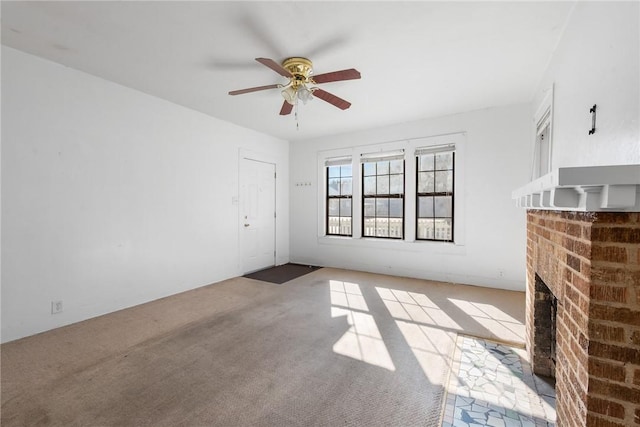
369	185
396	166
395	208
334	171
395	184
334	207
346	187
369	207
425	207
369	169
443	206
444	182
383	184
369	227
334	186
395	227
444	161
382	227
382	207
425	182
425	228
345	207
333	227
345	225
442	229
426	162
345	170
383	167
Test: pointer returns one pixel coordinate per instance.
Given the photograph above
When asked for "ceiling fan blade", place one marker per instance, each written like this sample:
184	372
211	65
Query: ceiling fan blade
252	89
350	74
286	108
274	66
331	99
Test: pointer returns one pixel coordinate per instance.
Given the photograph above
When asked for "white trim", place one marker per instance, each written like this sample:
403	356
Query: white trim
541	119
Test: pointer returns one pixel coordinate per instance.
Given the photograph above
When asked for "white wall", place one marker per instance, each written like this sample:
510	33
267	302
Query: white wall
596	62
496	160
111	197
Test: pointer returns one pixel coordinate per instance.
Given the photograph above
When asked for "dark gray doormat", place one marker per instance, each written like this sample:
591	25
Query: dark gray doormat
282	273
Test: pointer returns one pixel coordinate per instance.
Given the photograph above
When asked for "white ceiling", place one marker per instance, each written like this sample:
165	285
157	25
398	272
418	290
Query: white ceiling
417	59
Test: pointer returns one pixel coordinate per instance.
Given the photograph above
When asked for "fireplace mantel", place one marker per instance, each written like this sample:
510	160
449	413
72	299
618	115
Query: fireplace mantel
585	189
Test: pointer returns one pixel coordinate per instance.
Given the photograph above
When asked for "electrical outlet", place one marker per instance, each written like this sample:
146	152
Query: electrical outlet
501	273
56	307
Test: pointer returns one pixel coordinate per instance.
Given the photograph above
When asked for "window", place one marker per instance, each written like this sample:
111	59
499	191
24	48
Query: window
542	148
383	195
339	195
434	195
542	154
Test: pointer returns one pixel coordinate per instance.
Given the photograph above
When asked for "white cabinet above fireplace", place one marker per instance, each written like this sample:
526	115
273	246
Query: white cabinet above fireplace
584	188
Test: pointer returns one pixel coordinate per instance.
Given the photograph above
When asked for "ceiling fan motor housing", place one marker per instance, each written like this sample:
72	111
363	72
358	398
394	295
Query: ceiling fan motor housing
300	68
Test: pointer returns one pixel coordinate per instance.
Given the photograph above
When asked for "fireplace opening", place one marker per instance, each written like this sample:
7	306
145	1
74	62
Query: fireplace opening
544	324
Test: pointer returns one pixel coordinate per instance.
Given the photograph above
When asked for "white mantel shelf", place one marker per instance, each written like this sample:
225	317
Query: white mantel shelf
587	189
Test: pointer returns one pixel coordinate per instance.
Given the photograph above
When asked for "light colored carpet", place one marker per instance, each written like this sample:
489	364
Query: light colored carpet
333	347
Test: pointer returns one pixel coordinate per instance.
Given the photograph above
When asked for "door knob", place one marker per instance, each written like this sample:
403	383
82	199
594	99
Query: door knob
246	225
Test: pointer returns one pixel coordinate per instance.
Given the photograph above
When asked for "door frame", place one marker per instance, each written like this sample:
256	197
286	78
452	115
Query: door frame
247	154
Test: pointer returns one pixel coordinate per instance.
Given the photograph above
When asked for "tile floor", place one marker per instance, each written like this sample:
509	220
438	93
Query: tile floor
491	384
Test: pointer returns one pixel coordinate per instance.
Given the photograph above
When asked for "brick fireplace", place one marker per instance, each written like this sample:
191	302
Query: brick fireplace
583	280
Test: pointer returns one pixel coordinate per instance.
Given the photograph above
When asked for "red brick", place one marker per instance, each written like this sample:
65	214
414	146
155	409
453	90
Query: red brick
573	262
581	285
609	293
609	254
620	314
605	369
574	230
616	391
605	407
604	333
616	234
595	421
615	276
614	352
568	243
583	249
603	218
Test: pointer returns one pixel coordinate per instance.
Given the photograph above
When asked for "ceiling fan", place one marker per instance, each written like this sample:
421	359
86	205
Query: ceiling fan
302	84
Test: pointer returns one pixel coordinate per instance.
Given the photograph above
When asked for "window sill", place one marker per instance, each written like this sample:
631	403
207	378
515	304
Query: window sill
394	244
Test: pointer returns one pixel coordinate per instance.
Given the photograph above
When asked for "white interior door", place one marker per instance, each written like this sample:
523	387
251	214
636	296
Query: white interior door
257	214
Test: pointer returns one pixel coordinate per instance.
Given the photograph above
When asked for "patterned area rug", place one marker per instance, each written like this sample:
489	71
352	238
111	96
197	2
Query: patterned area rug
492	385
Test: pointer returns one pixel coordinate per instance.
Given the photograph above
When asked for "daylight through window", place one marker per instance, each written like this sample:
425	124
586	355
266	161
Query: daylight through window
434	196
339	195
383	195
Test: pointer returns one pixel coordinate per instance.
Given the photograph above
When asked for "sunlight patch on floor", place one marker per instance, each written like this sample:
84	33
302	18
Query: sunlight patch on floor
415	307
493	319
363	340
426	343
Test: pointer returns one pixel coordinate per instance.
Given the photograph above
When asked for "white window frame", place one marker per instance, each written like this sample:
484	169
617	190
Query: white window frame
543	124
409	147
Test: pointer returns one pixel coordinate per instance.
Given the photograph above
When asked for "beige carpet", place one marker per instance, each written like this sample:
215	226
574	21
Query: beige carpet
333	347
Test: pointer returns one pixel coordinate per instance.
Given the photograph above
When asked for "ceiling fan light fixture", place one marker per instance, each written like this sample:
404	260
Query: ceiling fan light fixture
289	94
305	94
